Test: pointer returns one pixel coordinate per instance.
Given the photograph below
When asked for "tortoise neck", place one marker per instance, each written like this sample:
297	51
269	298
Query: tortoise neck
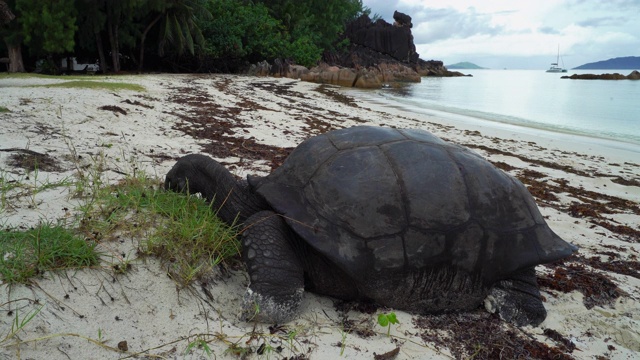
232	200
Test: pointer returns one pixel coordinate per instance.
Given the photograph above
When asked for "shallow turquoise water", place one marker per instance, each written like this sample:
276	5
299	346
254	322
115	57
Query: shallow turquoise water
532	98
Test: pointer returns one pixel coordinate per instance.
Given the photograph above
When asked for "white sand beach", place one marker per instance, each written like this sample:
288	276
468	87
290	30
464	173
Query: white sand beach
587	189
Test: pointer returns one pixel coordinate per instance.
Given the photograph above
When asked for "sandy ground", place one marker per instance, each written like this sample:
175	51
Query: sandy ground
587	189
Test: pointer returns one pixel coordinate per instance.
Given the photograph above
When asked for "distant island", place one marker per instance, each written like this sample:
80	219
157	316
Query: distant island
620	63
464	65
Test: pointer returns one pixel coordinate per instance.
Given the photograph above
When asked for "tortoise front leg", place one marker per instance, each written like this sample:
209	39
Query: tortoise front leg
275	271
517	299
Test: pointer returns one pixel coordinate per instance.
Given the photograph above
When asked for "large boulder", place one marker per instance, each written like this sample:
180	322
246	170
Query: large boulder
367	80
334	75
346	77
297	71
260	69
279	68
396	72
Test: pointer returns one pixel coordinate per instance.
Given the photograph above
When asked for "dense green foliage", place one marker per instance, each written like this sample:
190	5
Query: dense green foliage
48	26
241	31
188	35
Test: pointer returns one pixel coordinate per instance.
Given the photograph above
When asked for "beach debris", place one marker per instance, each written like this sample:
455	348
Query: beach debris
389	355
32	160
123	346
597	288
115	109
479	335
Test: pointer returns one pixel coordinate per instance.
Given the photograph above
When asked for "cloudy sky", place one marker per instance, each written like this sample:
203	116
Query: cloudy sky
519	34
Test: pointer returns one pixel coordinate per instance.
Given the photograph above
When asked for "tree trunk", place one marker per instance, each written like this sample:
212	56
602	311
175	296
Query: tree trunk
15	58
104	67
143	38
113	40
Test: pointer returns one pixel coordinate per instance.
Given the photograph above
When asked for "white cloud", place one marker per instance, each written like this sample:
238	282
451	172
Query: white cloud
449	23
521	33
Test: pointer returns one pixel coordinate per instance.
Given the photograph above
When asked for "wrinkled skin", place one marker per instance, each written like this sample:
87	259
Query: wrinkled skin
395	217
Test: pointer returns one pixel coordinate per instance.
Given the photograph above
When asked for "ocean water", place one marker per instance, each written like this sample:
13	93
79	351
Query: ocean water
532	99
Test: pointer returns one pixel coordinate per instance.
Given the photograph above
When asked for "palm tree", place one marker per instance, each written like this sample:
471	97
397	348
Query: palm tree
178	26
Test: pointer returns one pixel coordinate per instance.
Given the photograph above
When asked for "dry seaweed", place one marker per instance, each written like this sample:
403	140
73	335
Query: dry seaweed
503	165
626	182
531	174
547	164
565	343
626	233
137	103
32	160
622	267
480	335
597	288
317	125
206	119
362	327
115	109
582	210
336	96
590	204
539	190
389	355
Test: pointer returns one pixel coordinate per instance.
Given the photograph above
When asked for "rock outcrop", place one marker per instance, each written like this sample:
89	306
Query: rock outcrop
368	39
325	74
379	53
634	75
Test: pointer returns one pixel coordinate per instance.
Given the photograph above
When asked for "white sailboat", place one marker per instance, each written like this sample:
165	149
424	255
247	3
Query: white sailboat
554	66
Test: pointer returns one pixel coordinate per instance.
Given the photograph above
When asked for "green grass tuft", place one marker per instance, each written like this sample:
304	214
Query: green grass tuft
79	81
4	109
26	254
180	229
91	84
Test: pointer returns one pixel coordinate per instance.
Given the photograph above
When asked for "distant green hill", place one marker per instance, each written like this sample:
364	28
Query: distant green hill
464	65
620	63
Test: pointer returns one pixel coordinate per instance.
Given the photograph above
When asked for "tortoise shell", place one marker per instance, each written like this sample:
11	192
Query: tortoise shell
379	200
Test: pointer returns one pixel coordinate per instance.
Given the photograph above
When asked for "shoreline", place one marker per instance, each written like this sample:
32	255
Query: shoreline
250	124
529	99
502	128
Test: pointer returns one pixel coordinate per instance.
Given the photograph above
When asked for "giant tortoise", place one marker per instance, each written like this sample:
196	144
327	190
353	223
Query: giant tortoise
397	217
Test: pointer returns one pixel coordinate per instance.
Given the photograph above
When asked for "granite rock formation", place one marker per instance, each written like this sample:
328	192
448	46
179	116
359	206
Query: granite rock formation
379	53
368	39
634	75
